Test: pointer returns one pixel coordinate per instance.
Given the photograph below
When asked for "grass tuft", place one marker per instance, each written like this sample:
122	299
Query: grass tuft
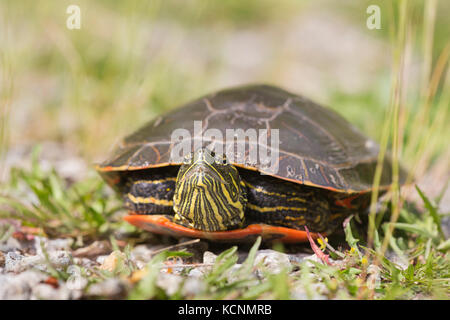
83	210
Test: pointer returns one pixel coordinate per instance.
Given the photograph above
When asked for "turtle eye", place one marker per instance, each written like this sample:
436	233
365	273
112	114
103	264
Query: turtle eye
221	159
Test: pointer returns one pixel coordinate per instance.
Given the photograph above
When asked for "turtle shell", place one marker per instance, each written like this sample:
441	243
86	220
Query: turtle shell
317	146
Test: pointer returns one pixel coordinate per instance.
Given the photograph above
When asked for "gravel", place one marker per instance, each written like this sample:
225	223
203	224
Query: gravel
273	261
209	257
19	286
193	284
170	283
16	262
10	244
44	291
111	288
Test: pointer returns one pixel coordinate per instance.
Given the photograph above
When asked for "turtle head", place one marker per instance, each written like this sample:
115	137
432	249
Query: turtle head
209	195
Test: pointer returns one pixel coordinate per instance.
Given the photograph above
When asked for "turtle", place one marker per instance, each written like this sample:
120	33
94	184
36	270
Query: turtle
324	168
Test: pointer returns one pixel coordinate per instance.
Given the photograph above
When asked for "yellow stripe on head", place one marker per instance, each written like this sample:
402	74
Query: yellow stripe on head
153	200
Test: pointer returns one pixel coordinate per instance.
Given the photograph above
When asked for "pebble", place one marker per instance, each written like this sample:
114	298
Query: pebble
232	274
197	273
16	262
298	292
297	257
101	259
142	253
76	280
209	257
110	262
193	286
85	262
94	249
110	288
2	259
170	283
399	261
60	258
10	244
43	291
273	261
19	287
52	245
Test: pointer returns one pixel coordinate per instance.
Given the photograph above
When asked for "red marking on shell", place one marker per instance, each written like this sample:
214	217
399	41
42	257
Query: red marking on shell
347	202
163	225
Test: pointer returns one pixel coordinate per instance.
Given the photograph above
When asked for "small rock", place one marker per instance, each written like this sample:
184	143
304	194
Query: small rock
16	262
193	286
232	275
19	287
85	262
139	264
399	261
76	281
170	283
44	291
209	257
94	249
100	259
59	244
273	261
111	288
297	257
197	273
142	253
10	244
52	244
60	258
299	292
110	263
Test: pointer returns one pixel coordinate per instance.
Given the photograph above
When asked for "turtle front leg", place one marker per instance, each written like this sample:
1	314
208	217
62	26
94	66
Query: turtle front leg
151	195
281	203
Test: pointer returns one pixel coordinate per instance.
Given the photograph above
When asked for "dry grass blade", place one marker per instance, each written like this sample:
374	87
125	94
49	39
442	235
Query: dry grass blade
397	104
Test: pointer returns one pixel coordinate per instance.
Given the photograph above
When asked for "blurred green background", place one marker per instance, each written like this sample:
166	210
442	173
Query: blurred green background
131	60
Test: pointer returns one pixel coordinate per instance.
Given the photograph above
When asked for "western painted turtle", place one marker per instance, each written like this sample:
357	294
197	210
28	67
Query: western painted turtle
325	169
